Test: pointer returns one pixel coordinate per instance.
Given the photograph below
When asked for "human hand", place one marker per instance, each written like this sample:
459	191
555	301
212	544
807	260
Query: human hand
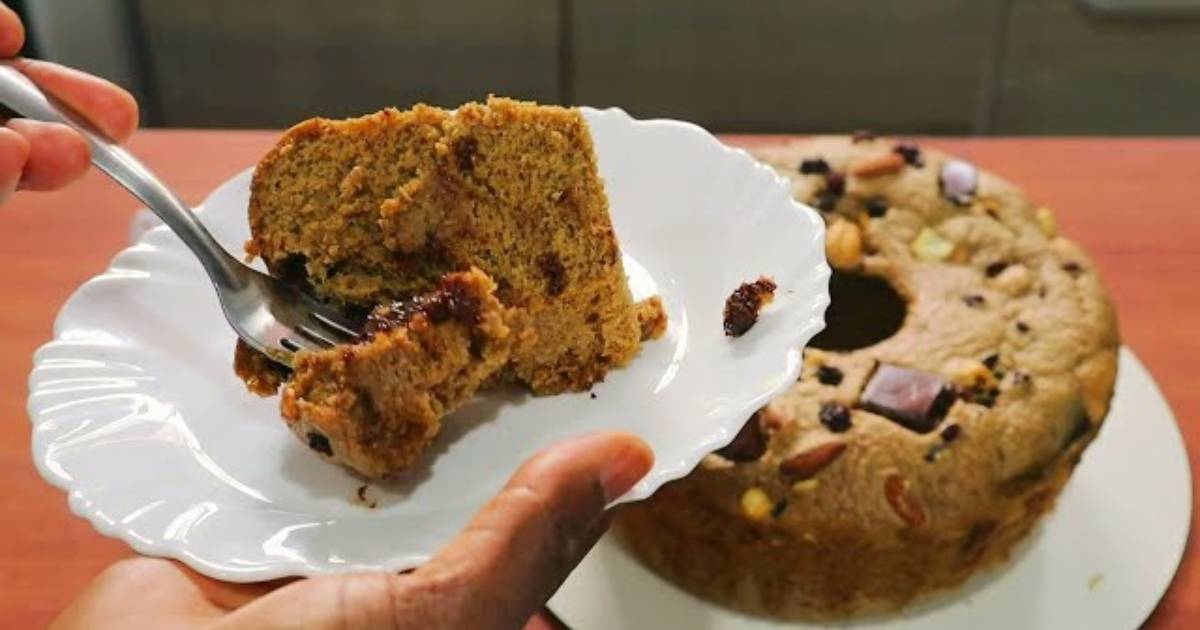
496	574
45	156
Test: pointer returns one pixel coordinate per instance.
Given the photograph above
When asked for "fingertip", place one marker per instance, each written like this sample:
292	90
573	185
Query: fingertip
14	153
12	32
57	155
107	105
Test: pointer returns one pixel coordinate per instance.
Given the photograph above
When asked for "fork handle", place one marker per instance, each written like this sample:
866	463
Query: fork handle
22	95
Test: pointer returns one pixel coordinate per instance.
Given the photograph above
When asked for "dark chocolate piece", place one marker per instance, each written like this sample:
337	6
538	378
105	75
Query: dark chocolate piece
1022	327
974	301
779	508
951	432
991	361
914	399
451	300
1073	268
749	444
743	305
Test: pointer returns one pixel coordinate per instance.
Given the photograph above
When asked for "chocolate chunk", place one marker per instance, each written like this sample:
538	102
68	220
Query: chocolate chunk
826	201
862	135
319	443
876	207
779	508
464	154
742	307
910	152
835	417
556	274
814	166
991	361
995	269
914	399
974	301
951	432
452	299
1022	327
835	183
829	375
749	444
1072	268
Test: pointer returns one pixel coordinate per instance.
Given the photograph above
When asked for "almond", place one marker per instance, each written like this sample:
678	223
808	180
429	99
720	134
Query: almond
806	464
895	490
876	165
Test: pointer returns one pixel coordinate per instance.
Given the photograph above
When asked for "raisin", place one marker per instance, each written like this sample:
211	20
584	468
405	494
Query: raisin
814	166
829	375
835	417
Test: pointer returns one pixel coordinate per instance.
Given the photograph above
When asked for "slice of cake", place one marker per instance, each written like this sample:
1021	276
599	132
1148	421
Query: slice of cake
374	406
378	208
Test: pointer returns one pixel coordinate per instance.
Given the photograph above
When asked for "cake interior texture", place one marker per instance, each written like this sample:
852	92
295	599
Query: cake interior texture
378	208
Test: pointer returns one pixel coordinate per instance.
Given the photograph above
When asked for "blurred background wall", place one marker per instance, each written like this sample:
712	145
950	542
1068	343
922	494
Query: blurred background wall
902	66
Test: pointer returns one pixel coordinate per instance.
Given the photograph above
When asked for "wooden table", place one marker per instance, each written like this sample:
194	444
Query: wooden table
1133	203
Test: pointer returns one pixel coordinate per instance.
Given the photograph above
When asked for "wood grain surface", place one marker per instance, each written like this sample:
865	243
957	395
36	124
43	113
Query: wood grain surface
1131	202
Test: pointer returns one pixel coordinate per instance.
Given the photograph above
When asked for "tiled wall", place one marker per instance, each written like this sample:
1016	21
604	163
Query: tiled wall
909	66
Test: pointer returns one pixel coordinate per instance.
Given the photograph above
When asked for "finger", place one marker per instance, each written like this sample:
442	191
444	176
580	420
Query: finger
139	593
111	109
57	154
14	151
12	32
517	551
228	595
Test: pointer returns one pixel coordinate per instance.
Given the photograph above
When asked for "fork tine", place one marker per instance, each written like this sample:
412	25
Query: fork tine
296	343
335	327
313	333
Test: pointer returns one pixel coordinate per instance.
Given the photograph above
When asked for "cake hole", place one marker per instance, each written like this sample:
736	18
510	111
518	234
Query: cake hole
863	311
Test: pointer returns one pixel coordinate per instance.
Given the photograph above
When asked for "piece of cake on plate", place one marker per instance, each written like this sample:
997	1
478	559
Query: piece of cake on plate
379	209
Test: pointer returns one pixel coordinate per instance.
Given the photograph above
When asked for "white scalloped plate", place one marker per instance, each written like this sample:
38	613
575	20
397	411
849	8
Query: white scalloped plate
1102	559
137	413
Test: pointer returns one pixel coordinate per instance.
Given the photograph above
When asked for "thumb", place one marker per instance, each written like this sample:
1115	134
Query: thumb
520	547
499	571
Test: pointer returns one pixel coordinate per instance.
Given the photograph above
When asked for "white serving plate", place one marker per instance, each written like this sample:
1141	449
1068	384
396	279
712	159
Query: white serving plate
1102	559
138	416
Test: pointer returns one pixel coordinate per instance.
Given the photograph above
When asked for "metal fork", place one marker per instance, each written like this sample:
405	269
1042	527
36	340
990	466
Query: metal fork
274	318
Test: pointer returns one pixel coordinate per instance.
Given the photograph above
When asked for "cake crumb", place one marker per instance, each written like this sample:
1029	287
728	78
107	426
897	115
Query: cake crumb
652	317
743	305
592	395
363	499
